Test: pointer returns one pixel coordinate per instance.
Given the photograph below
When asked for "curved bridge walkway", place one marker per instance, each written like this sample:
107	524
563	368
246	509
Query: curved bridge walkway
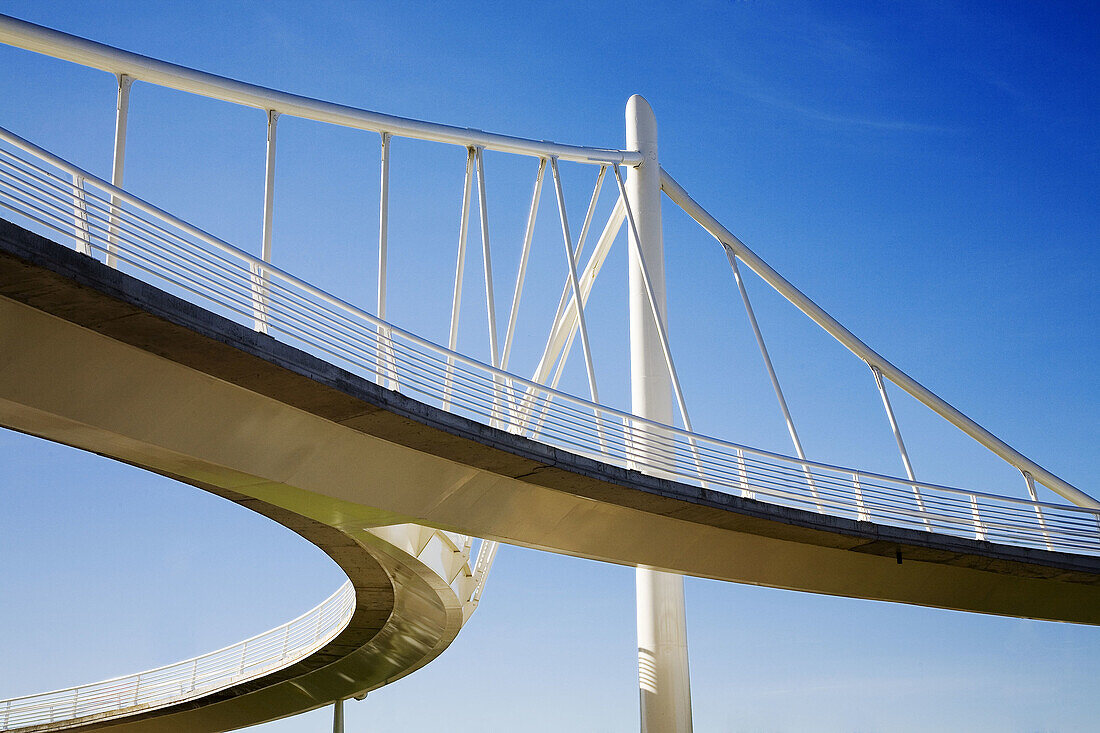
374	435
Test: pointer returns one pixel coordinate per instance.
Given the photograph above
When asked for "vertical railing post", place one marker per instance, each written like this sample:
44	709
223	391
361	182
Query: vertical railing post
286	642
1038	509
80	217
259	275
122	112
861	508
979	530
664	689
743	476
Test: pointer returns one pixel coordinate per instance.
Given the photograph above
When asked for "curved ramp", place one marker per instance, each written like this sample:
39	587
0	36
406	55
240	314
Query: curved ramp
343	450
407	596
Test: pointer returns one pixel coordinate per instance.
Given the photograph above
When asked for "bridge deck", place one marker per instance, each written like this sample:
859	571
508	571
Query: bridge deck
102	361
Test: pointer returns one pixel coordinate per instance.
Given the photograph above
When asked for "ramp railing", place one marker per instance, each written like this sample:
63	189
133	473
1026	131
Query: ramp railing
191	678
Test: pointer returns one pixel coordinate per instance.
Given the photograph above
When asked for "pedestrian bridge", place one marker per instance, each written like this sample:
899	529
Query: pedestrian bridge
133	334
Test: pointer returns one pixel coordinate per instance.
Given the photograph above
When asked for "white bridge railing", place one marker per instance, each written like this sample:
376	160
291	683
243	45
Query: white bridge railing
155	688
103	220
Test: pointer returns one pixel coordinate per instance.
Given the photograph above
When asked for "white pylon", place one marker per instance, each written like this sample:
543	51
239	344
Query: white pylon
663	684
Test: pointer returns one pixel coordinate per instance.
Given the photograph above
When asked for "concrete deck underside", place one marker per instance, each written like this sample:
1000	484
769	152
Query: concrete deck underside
96	359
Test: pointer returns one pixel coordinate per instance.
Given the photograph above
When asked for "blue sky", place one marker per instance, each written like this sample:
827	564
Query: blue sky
927	172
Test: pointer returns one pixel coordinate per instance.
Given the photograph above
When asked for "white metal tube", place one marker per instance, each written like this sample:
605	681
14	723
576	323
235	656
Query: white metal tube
383	222
834	328
50	42
521	274
905	454
460	268
791	430
653	292
565	318
659	315
861	508
1038	510
118	165
591	210
269	184
386	362
571	262
487	260
260	287
664	688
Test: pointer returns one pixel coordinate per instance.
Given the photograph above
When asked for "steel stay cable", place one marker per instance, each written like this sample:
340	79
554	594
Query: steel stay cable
765	354
559	314
658	319
487	263
896	430
571	263
550	353
521	272
460	266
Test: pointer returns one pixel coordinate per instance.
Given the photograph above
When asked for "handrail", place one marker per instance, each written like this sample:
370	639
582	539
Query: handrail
833	327
339	330
51	42
161	686
245	660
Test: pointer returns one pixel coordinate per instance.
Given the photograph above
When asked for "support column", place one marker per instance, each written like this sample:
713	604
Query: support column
664	688
338	716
